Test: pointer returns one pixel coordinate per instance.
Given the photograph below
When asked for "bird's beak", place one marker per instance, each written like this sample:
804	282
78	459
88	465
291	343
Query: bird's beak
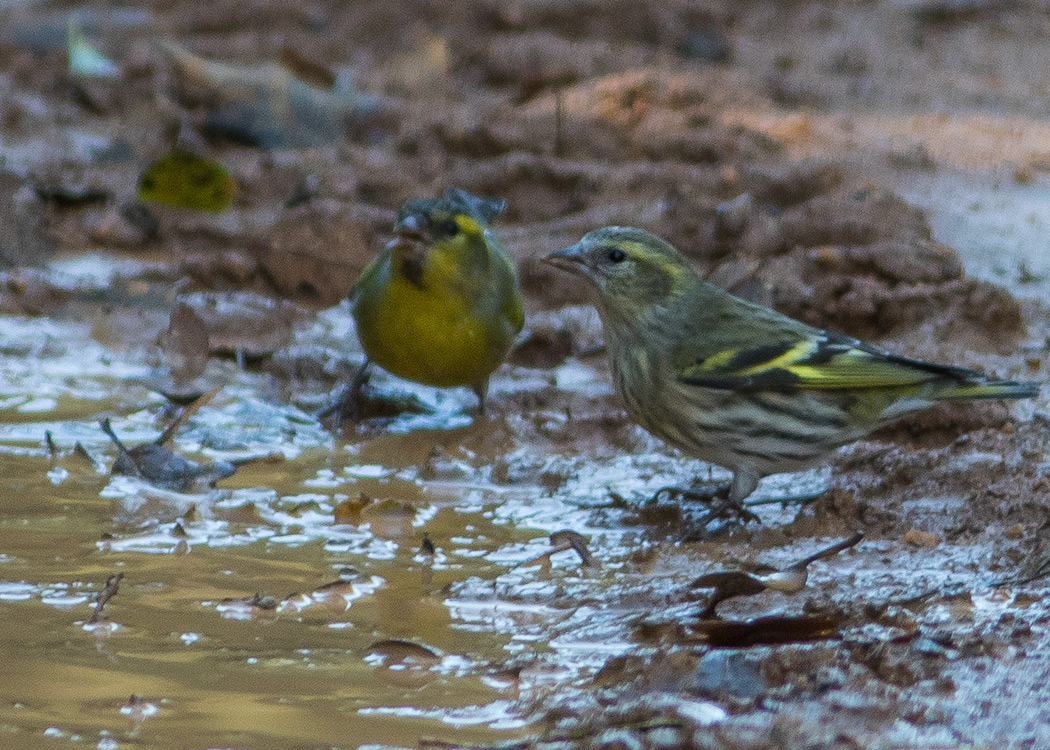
570	259
411	228
411	239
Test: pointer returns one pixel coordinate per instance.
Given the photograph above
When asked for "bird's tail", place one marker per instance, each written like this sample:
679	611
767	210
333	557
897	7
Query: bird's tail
984	388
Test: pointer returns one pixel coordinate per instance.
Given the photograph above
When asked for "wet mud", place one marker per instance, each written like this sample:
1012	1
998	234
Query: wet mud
189	556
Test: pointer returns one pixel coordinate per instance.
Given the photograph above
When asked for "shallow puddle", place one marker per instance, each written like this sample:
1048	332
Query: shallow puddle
998	226
183	656
256	612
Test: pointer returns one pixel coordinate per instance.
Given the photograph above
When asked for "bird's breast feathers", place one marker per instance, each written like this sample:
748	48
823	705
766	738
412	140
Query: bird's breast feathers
432	334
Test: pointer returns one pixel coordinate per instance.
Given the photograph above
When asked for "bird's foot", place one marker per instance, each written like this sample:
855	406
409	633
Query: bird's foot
702	492
795	498
347	404
714	495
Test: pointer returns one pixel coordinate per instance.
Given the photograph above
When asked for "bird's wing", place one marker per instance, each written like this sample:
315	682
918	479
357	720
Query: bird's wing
820	362
504	279
368	276
513	310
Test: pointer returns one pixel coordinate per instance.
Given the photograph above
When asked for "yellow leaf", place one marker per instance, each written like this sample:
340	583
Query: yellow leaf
186	180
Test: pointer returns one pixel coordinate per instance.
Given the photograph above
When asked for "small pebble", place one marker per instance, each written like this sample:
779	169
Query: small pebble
1024	175
919	538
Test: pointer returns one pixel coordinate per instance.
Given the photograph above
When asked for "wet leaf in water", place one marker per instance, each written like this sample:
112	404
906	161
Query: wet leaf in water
403	663
301	509
186	180
920	538
246	514
790	580
107	593
562	541
71	462
191	515
763	631
390	519
159	465
84	60
396	651
568	539
349	511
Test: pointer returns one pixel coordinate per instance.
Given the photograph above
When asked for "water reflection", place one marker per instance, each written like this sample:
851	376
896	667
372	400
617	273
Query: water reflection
250	612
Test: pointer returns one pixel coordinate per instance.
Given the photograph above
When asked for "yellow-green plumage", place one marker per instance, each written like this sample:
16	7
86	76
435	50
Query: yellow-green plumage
441	304
738	384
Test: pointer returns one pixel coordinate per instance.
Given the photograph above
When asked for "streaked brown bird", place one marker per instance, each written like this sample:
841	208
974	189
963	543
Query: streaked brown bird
737	384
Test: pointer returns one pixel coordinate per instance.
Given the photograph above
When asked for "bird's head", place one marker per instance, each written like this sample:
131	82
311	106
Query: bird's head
453	225
630	270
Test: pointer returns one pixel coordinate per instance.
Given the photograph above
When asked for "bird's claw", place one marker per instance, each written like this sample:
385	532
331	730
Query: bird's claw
715	496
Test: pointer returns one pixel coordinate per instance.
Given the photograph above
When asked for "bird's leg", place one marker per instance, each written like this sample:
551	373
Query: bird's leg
745	481
725	499
347	405
350	407
481	390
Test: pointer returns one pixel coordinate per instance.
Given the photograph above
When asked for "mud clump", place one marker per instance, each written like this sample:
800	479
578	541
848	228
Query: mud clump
315	255
24	239
852	258
577	127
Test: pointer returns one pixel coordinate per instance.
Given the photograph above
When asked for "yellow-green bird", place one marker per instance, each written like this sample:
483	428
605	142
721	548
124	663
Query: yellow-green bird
441	304
737	384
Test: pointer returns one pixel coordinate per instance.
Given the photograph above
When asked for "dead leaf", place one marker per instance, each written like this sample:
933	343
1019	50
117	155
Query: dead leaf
349	511
159	465
245	323
764	631
396	651
790	580
266	105
184	345
108	592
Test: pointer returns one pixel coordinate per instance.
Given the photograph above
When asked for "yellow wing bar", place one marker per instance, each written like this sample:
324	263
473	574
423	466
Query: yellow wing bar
820	363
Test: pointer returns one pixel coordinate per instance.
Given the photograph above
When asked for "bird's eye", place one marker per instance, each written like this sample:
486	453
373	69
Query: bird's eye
616	255
448	228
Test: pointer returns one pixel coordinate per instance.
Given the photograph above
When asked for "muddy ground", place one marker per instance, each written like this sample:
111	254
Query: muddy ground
876	167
